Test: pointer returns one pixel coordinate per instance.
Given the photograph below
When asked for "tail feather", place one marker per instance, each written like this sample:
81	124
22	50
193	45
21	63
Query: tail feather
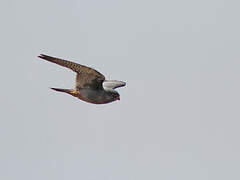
62	90
68	91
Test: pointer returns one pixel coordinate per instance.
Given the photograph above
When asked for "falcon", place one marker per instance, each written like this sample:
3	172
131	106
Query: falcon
91	85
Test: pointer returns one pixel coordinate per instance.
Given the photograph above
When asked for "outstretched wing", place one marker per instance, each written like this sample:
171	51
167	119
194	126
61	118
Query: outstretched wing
86	77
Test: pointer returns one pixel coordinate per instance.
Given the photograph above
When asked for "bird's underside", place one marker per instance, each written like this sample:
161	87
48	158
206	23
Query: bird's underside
91	85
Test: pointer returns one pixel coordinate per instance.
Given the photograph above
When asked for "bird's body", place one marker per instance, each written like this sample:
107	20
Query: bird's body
88	95
91	85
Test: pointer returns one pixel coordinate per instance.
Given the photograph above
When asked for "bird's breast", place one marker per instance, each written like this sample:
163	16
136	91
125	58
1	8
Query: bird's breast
95	96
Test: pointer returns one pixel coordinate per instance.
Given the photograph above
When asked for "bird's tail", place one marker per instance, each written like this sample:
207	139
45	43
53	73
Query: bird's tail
62	90
68	91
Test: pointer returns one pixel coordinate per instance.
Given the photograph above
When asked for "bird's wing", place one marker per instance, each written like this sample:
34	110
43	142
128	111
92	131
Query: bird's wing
86	76
113	84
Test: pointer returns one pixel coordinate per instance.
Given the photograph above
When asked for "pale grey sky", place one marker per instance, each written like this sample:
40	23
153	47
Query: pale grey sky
178	117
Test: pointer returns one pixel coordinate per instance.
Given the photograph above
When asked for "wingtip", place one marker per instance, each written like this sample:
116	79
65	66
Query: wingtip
43	56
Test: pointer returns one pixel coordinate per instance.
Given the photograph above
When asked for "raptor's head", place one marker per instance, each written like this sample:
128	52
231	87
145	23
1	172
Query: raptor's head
114	95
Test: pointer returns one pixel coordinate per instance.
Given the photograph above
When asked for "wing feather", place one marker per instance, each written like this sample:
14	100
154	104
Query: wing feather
113	84
86	76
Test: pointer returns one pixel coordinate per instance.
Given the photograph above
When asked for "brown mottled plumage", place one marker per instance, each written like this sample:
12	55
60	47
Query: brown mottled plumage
89	83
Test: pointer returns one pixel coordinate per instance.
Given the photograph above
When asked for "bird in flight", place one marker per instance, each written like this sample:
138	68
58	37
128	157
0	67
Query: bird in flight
91	85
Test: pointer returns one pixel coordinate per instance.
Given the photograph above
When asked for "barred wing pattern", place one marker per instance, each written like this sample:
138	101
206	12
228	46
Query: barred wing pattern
86	77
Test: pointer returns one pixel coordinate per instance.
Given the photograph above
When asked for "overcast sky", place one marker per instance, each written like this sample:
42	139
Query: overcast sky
178	117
